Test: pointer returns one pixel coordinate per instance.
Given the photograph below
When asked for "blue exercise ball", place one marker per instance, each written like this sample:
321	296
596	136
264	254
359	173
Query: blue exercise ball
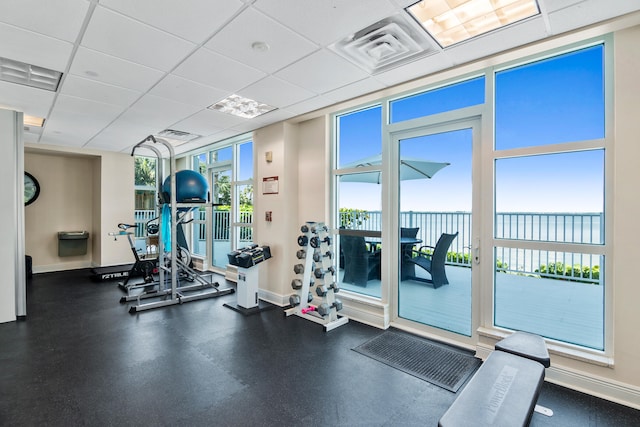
191	187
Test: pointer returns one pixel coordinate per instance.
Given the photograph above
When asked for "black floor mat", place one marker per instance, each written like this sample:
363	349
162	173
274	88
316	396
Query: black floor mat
436	363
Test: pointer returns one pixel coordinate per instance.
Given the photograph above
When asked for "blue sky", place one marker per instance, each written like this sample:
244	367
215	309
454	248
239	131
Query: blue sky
547	102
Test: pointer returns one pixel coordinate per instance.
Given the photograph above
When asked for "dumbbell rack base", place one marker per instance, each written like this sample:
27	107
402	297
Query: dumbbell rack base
328	324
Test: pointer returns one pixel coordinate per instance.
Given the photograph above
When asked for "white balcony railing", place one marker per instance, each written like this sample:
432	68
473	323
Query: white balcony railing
586	228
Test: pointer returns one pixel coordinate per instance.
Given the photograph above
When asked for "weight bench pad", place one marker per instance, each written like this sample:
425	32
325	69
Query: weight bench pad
526	345
503	392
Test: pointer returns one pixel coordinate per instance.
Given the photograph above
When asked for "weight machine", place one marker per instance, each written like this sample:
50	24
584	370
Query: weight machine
174	263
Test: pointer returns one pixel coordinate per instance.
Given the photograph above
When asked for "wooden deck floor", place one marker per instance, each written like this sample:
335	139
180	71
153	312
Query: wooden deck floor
566	311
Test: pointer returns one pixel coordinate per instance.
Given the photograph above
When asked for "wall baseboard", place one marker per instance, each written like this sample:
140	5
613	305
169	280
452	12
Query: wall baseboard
51	268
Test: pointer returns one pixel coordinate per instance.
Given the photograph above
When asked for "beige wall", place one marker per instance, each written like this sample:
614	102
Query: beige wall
78	192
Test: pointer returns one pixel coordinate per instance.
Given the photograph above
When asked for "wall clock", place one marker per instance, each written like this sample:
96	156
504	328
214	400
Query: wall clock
31	189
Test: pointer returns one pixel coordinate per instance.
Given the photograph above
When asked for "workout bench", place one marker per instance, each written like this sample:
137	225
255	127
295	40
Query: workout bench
504	390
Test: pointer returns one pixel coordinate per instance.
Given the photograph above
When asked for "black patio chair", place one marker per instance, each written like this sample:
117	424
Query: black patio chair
433	262
360	264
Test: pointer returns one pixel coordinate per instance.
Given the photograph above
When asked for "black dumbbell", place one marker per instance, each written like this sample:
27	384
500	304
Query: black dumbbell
294	300
298	268
303	240
296	284
304	228
317	255
316	241
321	290
335	287
324	309
319	273
301	254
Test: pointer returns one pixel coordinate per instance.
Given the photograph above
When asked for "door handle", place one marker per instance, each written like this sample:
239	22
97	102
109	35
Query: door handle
476	250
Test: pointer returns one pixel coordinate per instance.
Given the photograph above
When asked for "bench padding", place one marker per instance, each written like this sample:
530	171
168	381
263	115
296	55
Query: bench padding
526	345
503	392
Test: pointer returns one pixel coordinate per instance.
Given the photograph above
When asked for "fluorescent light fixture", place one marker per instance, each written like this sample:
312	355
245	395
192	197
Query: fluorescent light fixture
33	120
177	137
241	107
29	75
453	21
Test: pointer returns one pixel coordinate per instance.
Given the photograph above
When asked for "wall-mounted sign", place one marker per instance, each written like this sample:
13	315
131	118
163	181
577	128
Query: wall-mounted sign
270	185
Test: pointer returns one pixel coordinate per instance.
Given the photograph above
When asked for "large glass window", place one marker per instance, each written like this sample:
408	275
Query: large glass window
145	173
229	171
448	98
551	199
560	99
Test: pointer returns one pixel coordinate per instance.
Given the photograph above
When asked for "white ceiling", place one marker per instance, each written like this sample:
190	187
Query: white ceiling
135	67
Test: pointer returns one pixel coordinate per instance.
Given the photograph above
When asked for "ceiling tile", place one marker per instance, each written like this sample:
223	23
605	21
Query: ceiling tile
586	12
187	91
32	101
33	48
218	71
309	105
321	72
353	90
285	46
84	117
416	69
158	112
35	15
97	91
276	92
206	122
123	37
194	20
111	70
325	22
111	138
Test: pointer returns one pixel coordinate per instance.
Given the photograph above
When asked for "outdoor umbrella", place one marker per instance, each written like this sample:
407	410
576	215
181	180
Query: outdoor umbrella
410	168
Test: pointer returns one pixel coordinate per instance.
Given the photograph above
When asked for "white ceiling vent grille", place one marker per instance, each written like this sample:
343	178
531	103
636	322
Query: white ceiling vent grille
177	137
29	75
385	44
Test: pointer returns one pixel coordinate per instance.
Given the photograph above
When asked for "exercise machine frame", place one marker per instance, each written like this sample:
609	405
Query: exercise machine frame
170	291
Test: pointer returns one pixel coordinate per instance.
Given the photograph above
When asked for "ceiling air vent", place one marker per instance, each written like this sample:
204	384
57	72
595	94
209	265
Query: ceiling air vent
385	44
177	137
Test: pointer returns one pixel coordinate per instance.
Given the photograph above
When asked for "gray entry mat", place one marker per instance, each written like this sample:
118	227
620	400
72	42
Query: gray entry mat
436	363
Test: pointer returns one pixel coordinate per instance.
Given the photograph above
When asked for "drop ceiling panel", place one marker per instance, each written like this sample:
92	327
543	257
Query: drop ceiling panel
353	90
115	34
32	48
115	71
120	135
309	105
193	20
276	92
218	71
416	69
322	72
158	112
32	101
325	22
285	46
588	11
206	122
77	119
188	92
69	16
97	91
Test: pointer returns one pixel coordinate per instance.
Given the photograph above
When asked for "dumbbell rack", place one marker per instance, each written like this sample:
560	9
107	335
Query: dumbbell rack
315	242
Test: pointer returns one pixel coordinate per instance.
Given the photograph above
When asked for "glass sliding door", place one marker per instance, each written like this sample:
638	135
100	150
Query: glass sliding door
435	227
220	215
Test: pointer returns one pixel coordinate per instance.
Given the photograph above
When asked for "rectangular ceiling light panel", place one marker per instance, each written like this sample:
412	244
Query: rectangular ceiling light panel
177	137
241	107
453	21
29	75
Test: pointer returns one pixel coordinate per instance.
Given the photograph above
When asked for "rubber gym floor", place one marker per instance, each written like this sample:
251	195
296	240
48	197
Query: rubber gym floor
81	359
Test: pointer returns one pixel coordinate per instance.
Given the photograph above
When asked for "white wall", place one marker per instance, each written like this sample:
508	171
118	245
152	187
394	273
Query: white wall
9	169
